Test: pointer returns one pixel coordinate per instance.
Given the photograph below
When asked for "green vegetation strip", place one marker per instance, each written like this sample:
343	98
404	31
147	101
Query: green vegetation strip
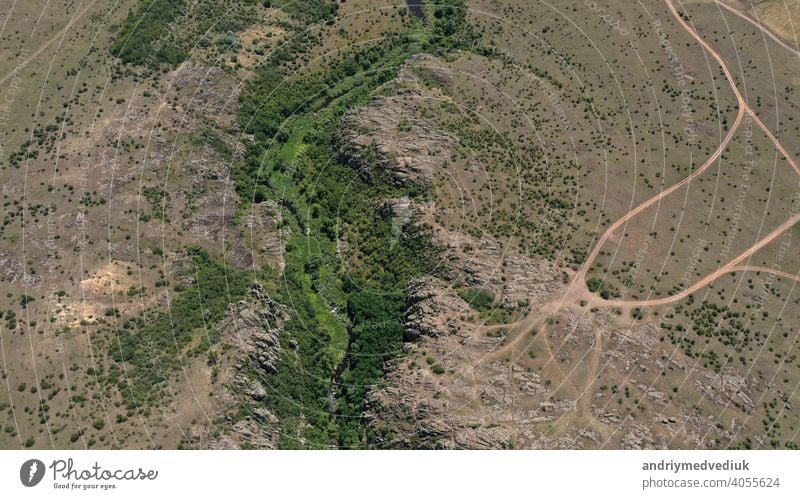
346	317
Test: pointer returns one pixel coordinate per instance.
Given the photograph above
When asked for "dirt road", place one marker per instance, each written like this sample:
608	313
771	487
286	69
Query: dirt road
744	108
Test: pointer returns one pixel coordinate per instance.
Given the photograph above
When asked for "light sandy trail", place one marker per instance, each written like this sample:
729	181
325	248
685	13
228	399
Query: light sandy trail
743	105
581	275
755	268
758	25
744	108
51	41
725	269
578	289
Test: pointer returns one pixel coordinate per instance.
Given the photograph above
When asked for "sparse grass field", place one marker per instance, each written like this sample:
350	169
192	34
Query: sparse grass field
107	177
704	226
781	16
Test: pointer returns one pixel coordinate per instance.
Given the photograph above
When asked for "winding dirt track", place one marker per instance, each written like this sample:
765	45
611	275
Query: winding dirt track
578	292
725	269
744	109
755	268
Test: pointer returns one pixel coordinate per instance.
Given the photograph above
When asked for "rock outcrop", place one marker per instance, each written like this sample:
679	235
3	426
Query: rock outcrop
431	306
210	93
377	141
390	139
513	278
251	330
264	231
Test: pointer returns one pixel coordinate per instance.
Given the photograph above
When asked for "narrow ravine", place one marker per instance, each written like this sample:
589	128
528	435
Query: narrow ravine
336	380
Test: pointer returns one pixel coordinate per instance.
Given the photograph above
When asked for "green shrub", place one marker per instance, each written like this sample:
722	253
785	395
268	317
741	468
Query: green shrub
25	299
145	35
154	348
479	299
594	284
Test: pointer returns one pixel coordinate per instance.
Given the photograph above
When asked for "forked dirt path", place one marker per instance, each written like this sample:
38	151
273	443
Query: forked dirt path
756	268
743	105
576	293
579	384
744	108
725	269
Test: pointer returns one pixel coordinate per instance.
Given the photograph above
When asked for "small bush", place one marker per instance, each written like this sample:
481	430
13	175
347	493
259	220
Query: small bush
479	299
594	284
